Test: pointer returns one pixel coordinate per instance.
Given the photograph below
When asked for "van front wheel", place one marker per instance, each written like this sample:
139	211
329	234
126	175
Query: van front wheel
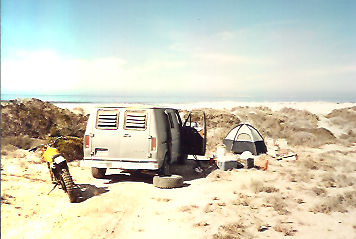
98	172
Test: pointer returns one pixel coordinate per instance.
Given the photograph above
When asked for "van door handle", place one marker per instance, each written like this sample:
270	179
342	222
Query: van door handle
127	135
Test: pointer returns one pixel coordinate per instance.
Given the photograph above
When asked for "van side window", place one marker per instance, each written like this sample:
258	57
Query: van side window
107	119
135	120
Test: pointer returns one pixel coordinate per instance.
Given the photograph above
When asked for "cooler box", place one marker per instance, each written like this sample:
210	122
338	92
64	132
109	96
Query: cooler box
226	164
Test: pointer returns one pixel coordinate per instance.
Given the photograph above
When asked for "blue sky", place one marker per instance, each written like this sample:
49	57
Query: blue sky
302	49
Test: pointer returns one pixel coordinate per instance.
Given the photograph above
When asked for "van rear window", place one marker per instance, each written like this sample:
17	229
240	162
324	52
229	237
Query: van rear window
107	119
135	120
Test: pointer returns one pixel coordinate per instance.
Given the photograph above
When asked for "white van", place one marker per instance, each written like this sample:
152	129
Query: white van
139	138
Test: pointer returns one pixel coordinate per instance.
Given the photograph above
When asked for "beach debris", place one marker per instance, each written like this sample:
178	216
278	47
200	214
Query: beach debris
212	160
280	151
198	168
261	162
285	154
263	228
291	156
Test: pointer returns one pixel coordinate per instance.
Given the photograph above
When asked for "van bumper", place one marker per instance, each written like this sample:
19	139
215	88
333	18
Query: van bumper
119	164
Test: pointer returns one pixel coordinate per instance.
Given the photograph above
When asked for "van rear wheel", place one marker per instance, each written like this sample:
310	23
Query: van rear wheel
98	172
182	159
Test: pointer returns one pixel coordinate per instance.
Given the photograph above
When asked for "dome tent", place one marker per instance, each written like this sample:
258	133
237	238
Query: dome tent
245	137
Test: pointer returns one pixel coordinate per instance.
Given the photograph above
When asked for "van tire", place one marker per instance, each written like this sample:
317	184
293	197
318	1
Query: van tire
182	159
173	181
98	172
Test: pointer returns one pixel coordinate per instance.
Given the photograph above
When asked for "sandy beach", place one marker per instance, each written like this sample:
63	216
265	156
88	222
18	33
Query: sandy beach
312	195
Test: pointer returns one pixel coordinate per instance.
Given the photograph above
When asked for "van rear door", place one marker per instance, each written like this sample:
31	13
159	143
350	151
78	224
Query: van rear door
104	137
135	136
194	133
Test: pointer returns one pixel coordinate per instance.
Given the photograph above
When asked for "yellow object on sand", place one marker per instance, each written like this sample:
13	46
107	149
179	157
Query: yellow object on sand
49	153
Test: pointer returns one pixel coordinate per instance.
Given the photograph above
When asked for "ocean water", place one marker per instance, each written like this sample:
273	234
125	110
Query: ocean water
123	99
176	99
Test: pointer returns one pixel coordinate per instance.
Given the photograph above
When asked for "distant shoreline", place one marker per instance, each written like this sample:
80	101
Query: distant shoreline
54	102
315	107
